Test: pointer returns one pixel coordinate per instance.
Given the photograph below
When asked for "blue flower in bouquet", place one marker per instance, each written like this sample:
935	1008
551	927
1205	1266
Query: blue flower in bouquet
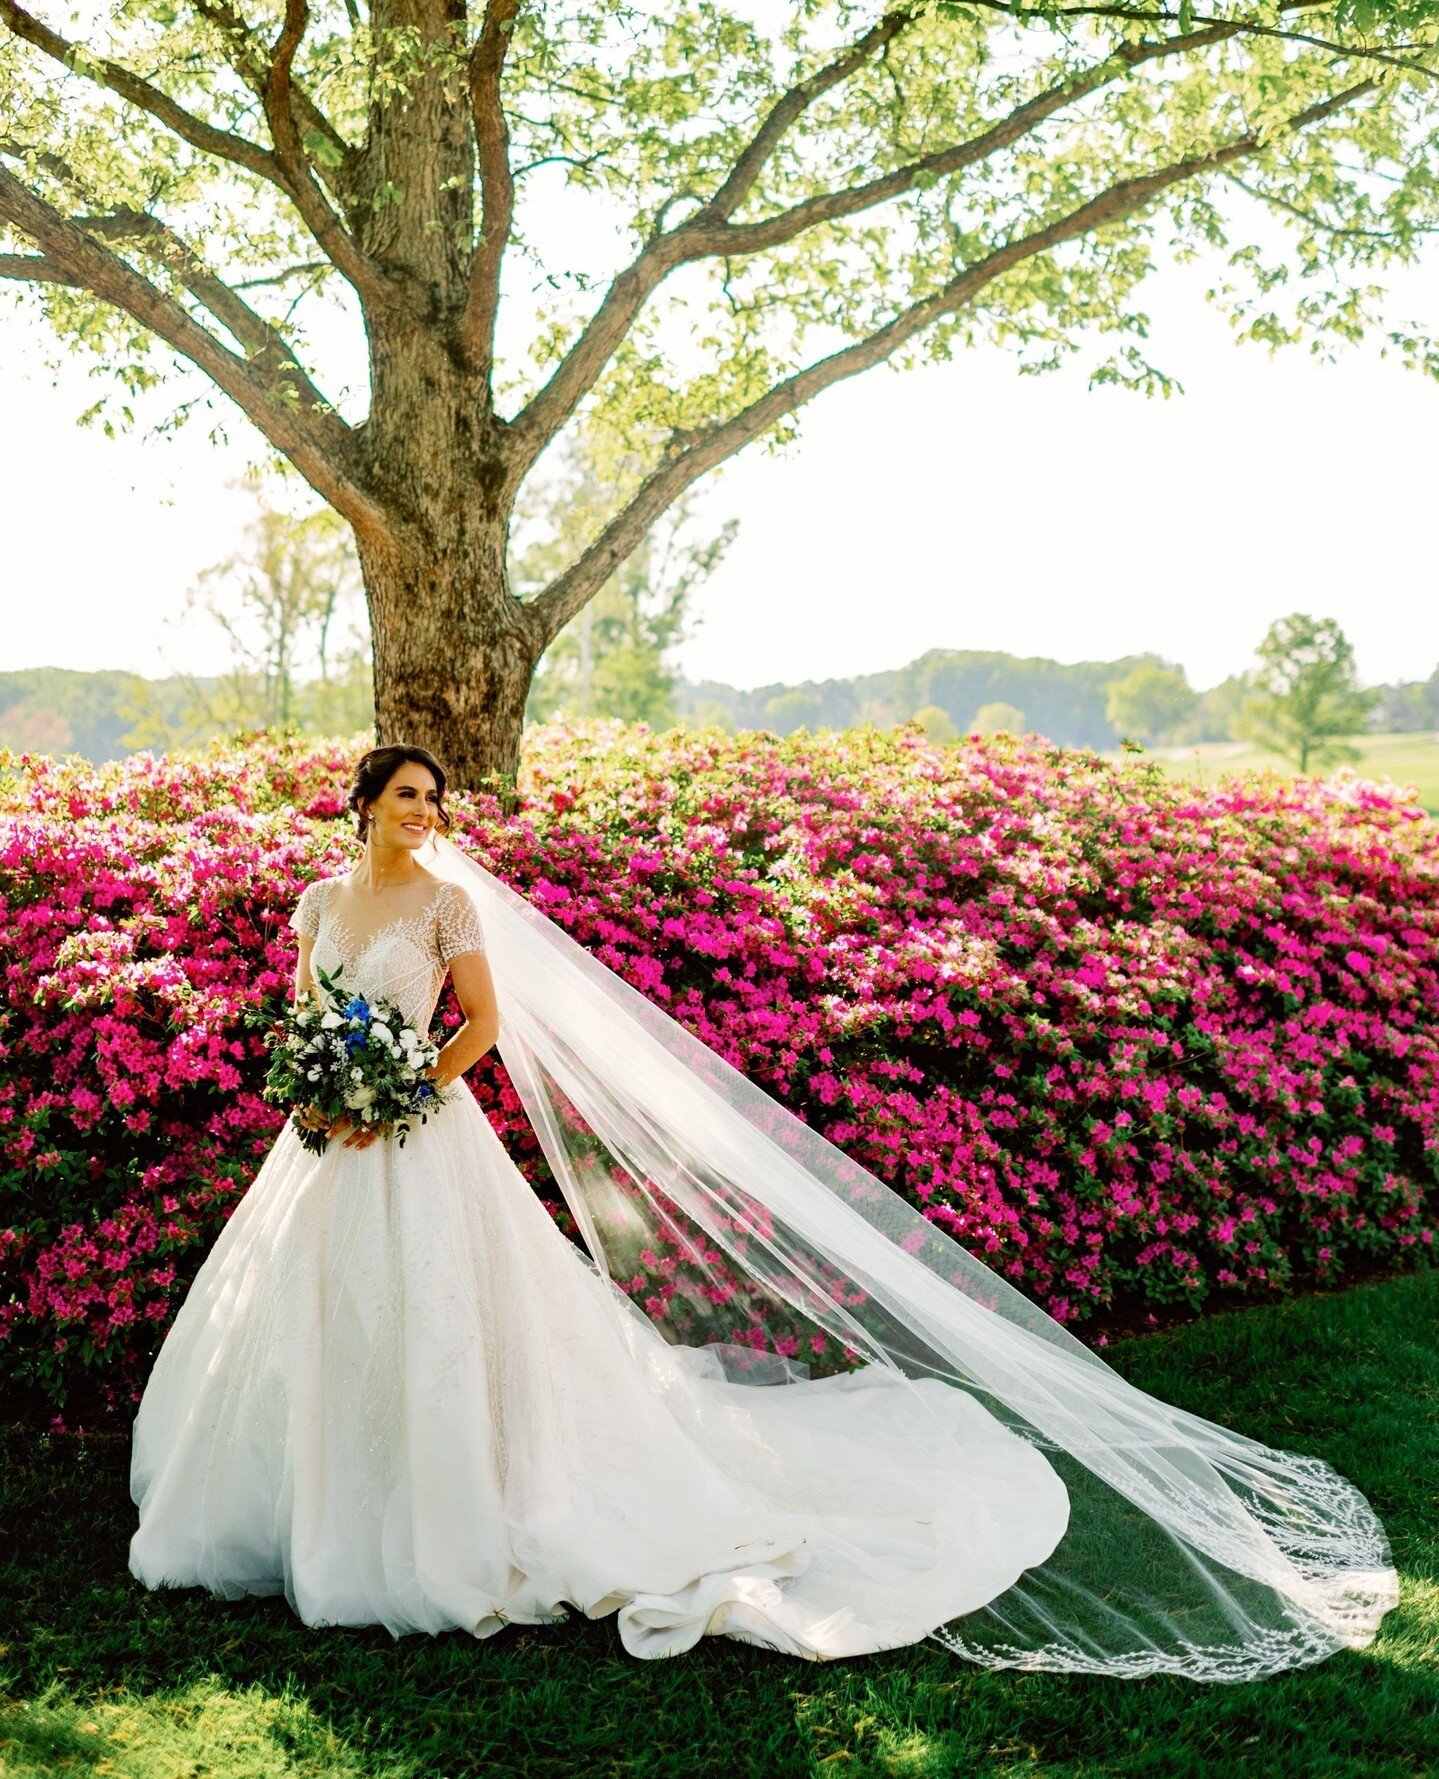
339	1055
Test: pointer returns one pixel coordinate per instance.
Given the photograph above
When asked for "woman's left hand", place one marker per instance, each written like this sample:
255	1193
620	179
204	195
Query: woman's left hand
358	1136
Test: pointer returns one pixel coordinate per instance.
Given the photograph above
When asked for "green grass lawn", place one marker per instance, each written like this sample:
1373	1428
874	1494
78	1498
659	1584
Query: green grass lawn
98	1676
1407	759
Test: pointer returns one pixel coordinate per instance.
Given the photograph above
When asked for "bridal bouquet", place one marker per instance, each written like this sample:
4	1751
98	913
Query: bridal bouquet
345	1056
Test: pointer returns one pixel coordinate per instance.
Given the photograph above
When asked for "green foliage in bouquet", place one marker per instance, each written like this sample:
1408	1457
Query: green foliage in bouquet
346	1056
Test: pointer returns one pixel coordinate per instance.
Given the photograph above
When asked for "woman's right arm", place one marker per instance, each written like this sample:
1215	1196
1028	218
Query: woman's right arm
304	976
304	923
305	985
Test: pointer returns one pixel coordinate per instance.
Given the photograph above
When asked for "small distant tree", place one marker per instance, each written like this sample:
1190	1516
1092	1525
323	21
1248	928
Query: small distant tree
706	713
1218	713
280	600
796	707
936	723
616	659
291	606
1150	702
1307	696
1407	705
991	719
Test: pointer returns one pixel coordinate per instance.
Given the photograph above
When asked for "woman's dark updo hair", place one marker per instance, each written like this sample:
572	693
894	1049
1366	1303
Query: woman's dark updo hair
374	771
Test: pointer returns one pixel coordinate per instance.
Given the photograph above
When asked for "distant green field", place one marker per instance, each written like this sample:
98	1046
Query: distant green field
1406	759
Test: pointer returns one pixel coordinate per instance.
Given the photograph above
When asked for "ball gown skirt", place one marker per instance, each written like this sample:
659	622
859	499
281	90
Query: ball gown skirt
397	1394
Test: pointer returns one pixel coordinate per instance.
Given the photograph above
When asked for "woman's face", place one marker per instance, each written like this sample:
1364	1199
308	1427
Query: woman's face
405	813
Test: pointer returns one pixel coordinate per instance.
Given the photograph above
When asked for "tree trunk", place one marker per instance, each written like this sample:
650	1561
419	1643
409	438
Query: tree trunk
454	651
454	654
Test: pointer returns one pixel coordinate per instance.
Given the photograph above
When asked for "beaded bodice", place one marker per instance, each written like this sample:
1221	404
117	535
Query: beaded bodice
404	960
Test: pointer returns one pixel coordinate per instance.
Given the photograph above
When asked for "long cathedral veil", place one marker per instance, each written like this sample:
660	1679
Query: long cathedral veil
749	1239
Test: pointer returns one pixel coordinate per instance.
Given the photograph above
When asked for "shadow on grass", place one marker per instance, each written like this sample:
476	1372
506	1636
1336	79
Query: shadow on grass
100	1676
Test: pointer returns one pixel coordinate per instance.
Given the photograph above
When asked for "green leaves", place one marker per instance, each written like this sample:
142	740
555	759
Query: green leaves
320	149
1307	693
950	177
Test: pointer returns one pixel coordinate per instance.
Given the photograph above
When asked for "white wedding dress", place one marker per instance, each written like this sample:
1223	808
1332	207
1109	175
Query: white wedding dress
398	1395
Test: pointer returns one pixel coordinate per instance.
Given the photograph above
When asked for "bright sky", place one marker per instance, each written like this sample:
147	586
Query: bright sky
962	506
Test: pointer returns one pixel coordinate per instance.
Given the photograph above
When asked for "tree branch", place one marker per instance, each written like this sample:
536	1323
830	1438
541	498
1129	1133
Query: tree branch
1319	224
299	181
270	354
279	90
708	232
250	64
785	225
702	451
285	167
576	373
34	268
1140	15
792	105
73	57
316	444
301	271
550	160
497	186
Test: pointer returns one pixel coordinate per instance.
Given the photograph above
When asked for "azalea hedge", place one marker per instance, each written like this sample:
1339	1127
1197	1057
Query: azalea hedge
1133	1044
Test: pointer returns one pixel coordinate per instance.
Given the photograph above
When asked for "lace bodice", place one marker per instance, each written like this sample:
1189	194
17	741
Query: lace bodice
404	960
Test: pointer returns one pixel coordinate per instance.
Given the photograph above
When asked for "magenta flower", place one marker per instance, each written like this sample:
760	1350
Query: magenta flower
1132	1043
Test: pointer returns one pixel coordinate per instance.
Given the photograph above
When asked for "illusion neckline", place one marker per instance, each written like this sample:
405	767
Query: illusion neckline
338	922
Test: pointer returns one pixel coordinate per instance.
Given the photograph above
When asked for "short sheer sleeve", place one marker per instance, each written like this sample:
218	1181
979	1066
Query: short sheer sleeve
457	923
306	918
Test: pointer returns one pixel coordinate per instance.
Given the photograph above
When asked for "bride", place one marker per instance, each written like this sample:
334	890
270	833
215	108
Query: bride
399	1395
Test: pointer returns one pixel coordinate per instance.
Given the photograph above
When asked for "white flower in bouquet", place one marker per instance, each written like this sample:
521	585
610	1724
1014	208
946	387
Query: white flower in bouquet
344	1055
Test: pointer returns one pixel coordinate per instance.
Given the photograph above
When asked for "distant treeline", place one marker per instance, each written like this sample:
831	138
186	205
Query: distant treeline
104	715
1070	703
1066	703
54	710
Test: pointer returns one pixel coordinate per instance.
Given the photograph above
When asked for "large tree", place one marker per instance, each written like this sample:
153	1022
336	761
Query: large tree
762	211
